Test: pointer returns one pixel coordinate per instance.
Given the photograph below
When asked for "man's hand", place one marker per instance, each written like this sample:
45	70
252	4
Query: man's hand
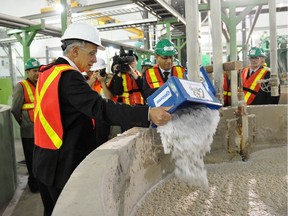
133	72
160	115
99	77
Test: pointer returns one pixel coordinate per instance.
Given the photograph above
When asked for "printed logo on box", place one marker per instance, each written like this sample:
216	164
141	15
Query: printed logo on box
162	97
196	90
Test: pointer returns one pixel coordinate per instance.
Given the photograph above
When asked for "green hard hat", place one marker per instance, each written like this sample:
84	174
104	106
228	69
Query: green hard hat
147	62
165	47
176	62
32	63
256	52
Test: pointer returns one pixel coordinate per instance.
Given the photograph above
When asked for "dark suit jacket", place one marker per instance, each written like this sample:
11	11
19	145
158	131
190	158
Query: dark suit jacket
78	105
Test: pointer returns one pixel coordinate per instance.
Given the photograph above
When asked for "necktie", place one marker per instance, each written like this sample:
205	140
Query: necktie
166	74
250	74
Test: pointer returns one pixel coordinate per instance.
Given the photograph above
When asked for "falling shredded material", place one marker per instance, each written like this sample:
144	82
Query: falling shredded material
188	137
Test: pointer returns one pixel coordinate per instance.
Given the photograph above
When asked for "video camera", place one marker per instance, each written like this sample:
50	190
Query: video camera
122	61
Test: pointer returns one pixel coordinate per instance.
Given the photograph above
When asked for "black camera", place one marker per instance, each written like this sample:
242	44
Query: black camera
103	72
121	62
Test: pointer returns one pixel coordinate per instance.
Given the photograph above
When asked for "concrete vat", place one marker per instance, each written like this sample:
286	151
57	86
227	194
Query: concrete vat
114	178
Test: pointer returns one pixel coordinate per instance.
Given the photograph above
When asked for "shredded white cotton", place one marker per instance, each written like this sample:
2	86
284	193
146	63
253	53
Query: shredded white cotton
188	136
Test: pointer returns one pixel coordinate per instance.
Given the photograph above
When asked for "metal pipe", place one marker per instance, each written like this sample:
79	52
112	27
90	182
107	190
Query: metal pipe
254	23
217	46
12	70
192	41
233	54
16	21
273	49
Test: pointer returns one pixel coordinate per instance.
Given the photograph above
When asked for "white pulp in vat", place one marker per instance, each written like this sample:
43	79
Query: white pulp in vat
188	137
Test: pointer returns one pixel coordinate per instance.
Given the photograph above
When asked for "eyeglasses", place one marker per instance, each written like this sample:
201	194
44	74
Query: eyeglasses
90	53
256	58
165	58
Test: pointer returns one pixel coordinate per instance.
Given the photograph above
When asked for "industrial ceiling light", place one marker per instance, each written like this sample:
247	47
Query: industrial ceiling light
59	8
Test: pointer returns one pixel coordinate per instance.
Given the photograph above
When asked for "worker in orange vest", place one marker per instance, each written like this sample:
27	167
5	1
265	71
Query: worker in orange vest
64	107
156	76
126	83
98	77
97	81
23	110
255	92
146	64
227	85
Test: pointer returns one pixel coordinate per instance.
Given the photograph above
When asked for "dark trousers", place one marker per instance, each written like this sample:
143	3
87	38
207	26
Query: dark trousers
28	145
49	196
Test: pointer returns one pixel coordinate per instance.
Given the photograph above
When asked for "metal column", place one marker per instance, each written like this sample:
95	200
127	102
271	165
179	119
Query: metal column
217	46
192	32
273	48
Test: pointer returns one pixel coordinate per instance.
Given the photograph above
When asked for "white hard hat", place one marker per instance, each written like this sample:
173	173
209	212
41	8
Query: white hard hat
83	31
100	64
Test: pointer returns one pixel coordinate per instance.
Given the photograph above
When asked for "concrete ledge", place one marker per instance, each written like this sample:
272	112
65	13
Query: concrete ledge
8	174
113	178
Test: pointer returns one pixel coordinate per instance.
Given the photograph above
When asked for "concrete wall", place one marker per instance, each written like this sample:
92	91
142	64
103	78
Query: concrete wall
114	177
8	175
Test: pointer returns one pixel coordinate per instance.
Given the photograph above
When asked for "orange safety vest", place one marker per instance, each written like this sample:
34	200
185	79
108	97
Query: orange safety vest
48	127
97	87
29	91
154	78
226	91
131	94
252	83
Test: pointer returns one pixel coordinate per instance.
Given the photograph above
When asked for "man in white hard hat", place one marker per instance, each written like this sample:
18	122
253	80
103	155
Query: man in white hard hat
65	107
97	81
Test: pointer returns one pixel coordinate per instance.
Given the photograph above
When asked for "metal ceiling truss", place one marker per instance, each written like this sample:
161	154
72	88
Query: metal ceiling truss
129	24
164	11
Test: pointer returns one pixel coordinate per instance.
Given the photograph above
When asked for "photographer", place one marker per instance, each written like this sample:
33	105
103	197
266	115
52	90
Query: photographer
126	83
97	79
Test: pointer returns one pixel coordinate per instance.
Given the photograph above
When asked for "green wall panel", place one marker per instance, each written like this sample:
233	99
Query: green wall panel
6	91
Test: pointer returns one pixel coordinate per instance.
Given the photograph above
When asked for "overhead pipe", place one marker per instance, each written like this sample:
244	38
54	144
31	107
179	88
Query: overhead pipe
253	24
20	22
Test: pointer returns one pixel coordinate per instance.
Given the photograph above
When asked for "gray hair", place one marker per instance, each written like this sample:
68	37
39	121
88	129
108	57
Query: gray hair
73	44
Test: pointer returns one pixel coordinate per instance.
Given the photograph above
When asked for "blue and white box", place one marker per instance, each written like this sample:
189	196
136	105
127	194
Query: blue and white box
183	93
204	78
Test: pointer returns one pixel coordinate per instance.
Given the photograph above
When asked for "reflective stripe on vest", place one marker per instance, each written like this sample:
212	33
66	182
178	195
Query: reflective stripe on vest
29	90
155	80
98	87
131	93
252	84
178	72
48	126
226	91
